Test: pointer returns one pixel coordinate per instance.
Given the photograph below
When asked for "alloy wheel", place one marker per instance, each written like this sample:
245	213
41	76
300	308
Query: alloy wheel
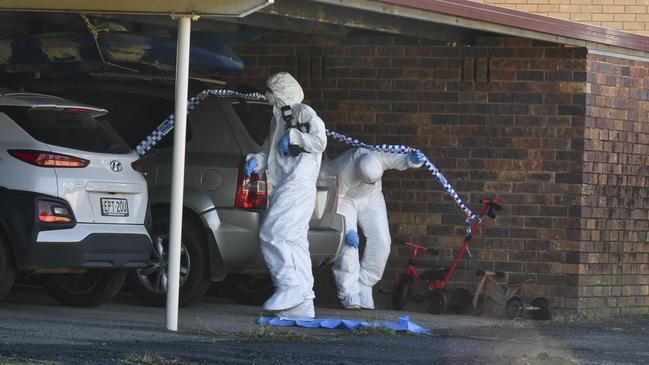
155	277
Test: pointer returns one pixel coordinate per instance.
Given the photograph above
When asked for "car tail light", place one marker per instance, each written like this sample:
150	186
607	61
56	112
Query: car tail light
53	212
48	159
251	191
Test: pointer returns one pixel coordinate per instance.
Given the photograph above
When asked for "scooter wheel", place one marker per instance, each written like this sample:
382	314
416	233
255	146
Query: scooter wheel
544	309
515	308
460	300
401	292
437	301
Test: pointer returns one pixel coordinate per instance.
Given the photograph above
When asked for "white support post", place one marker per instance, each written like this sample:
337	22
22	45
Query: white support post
178	171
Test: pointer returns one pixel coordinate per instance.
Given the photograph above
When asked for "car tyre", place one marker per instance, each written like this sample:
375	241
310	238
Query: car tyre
89	289
248	289
7	268
149	284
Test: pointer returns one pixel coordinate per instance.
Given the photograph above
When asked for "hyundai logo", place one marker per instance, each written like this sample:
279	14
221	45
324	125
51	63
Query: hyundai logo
116	166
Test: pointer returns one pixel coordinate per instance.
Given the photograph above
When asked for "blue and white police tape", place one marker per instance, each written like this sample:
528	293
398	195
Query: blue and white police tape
167	125
401	149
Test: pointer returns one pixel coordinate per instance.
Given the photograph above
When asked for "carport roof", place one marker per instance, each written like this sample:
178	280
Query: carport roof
234	8
473	15
529	21
448	20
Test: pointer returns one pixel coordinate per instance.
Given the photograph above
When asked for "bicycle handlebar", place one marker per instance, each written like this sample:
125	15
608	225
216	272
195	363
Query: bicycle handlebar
498	274
433	251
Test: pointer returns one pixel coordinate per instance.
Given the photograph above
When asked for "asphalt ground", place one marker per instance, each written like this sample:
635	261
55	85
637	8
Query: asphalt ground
36	330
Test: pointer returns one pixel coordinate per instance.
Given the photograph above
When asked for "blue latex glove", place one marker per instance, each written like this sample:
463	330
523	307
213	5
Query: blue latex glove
414	158
283	146
250	166
351	239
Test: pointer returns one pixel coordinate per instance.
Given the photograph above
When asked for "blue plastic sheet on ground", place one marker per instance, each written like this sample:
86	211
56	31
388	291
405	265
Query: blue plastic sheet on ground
402	325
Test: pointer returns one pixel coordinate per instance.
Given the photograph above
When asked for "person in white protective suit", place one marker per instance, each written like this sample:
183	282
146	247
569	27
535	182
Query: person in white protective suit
291	155
360	201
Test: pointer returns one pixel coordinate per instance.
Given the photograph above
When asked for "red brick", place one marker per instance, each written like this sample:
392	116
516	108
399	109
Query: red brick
567	157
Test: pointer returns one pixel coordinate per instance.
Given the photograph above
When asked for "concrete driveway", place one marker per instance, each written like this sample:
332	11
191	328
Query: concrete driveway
36	330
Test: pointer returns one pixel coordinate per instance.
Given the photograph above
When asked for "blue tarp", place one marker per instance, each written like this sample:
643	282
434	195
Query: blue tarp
403	324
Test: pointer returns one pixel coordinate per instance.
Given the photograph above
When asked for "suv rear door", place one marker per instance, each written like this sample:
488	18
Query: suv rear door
213	155
107	189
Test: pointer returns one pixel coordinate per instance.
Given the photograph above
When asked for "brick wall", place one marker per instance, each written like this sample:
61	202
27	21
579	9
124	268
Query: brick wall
614	251
503	118
628	15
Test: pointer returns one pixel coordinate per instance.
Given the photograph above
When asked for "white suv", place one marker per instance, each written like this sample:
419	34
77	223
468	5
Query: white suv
73	208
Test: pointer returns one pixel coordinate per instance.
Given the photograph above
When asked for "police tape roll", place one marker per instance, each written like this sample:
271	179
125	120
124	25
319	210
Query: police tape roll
167	125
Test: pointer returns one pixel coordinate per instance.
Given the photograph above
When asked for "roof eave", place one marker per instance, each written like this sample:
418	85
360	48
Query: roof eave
505	21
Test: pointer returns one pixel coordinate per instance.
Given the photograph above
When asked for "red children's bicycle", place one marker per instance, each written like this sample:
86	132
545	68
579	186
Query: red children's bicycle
438	298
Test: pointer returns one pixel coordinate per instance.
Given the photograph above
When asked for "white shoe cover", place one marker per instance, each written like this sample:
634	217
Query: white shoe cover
352	301
284	299
367	301
303	311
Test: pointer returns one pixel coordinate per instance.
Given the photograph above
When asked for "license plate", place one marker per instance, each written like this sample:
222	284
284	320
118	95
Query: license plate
114	207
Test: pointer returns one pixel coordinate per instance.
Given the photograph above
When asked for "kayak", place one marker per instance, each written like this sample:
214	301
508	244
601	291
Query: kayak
73	51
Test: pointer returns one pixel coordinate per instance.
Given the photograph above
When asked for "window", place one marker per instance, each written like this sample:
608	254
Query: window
134	116
256	118
75	129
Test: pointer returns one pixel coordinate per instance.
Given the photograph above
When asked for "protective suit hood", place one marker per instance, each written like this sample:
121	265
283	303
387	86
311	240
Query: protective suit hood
370	168
286	89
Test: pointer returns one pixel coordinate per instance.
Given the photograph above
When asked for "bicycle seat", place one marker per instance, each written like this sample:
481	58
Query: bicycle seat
435	274
515	284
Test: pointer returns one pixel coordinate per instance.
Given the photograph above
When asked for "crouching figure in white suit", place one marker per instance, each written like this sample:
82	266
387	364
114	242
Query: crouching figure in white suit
361	202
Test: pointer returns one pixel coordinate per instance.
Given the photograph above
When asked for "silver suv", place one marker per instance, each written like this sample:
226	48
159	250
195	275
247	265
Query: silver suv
223	210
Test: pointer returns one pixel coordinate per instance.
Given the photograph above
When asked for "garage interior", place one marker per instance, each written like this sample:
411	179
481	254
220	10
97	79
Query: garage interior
556	125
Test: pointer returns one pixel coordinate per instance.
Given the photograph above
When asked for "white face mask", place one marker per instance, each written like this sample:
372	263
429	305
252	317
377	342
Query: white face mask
270	97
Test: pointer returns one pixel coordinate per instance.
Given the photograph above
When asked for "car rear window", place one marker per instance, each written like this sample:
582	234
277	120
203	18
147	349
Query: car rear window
134	116
256	118
71	129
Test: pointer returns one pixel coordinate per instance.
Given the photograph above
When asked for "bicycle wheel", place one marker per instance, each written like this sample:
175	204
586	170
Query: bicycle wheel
401	292
544	311
437	301
515	308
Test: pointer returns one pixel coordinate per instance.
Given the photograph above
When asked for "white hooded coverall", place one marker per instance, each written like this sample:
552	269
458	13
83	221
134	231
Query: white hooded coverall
361	202
283	234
